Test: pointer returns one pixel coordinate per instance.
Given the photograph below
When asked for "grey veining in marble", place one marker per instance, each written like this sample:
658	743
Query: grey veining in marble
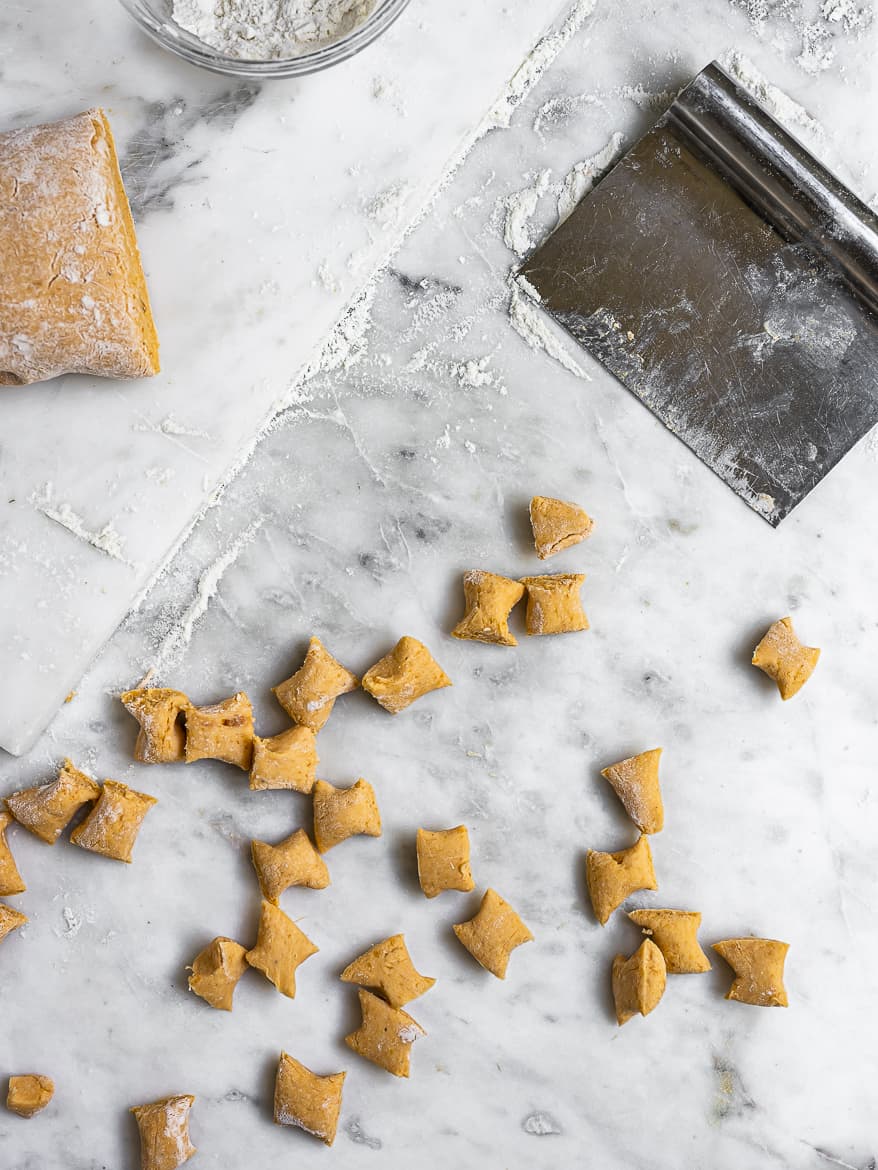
384	478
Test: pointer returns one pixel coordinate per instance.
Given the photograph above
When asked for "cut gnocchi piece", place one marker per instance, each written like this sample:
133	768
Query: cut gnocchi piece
164	1132
758	964
221	731
385	1036
636	782
111	827
309	695
489	600
161	713
280	949
340	813
288	760
553	604
48	809
613	877
784	658
387	967
675	933
306	1100
10	879
557	525
404	675
493	934
10	920
29	1094
294	862
216	971
638	981
443	860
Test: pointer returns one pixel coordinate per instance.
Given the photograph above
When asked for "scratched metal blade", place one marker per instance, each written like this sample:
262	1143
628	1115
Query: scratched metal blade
731	282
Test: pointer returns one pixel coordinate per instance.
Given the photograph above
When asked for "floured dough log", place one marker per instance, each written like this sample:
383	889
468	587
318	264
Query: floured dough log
164	1132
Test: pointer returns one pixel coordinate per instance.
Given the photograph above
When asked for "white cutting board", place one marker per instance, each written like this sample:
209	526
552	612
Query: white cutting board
259	216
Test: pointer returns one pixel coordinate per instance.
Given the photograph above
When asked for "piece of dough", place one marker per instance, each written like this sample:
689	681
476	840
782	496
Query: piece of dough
48	809
10	920
489	600
784	658
216	971
280	948
309	695
293	862
29	1094
638	981
553	604
221	731
675	933
71	284
407	673
304	1099
493	934
443	860
10	879
160	712
340	813
164	1132
111	827
557	525
385	1036
288	760
636	783
387	968
613	877
758	964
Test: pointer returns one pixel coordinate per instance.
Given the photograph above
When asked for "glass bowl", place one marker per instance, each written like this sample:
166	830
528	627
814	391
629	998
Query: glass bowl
154	17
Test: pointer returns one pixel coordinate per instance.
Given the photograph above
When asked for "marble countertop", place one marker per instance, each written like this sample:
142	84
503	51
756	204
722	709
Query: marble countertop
405	459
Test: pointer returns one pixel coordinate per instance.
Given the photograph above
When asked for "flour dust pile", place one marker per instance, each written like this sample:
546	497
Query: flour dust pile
270	30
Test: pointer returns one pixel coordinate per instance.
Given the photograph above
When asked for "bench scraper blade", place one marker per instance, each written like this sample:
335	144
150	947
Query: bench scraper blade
730	282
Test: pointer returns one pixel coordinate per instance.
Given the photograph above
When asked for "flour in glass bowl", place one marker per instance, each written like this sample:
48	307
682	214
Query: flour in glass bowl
269	30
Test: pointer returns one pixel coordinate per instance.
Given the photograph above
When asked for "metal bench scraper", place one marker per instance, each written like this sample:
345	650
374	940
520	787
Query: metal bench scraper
726	278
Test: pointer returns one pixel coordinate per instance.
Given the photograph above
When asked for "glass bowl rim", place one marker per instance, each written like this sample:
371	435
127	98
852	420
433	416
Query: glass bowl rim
191	49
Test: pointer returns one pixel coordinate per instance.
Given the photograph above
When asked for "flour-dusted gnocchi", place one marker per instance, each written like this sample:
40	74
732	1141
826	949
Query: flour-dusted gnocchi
557	525
216	971
385	1036
10	879
293	862
10	920
404	675
48	809
784	658
280	949
675	933
387	968
288	760
161	713
553	604
111	827
758	964
164	1132
638	981
29	1094
340	813
309	695
489	600
443	860
493	934
221	731
636	782
613	877
306	1100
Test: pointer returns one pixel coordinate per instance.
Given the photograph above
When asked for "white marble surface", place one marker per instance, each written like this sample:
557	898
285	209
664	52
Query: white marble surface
260	211
375	488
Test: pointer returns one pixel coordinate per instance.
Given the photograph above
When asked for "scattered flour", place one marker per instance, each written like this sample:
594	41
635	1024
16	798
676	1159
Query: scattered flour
106	540
586	173
534	327
347	342
269	30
